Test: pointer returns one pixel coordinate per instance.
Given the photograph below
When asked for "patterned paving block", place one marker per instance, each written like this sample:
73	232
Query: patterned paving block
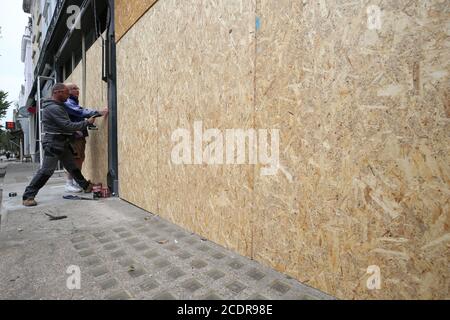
125	235
148	285
105	240
184	255
298	296
118	254
257	296
203	248
110	246
161	263
180	235
255	274
137	224
152	235
143	230
175	273
93	261
280	287
165	295
108	284
218	255
211	296
192	241
235	264
191	285
170	230
127	262
215	274
161	226
236	286
141	247
132	240
151	254
119	230
172	247
119	295
99	234
86	253
198	264
78	239
81	246
99	271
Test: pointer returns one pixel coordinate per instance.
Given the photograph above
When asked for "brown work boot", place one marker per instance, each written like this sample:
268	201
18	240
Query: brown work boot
29	202
88	189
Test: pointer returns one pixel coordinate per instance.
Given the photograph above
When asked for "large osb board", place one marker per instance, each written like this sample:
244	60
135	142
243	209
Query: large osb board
77	75
364	123
207	74
127	12
137	119
95	166
195	64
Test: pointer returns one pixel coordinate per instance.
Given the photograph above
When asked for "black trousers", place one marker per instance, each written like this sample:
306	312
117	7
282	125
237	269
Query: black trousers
56	147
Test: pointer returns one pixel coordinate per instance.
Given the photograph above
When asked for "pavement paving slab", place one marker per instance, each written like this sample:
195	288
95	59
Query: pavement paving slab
109	249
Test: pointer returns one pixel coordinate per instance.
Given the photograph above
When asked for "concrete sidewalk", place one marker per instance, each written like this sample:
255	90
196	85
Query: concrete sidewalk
123	252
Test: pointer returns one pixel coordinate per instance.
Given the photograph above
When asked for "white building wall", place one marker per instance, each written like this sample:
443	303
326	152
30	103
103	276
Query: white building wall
41	11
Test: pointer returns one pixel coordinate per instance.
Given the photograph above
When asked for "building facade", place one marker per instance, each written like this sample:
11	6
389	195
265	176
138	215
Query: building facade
41	13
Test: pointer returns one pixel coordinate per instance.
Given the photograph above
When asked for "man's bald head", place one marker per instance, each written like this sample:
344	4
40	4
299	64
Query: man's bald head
58	87
60	92
74	90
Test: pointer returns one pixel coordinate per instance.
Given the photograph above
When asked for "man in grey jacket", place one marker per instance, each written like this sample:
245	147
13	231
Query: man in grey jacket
56	144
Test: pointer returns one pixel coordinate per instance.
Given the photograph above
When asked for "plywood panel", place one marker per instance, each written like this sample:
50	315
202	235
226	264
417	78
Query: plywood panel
195	65
364	171
137	117
363	116
127	12
207	67
96	164
77	75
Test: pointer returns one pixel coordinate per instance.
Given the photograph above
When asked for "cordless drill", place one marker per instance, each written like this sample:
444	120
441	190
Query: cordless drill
93	126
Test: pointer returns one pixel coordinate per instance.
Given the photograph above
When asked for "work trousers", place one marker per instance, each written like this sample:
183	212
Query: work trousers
56	147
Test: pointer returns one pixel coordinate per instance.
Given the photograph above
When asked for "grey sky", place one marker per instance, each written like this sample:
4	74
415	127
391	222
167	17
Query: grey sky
12	21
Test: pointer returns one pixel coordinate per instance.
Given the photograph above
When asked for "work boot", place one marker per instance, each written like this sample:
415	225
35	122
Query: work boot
29	202
72	187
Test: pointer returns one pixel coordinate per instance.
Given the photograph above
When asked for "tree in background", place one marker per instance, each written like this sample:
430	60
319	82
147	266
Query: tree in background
4	105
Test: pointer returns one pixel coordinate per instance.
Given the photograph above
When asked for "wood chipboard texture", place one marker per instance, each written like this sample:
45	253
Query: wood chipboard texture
76	76
137	117
95	166
363	116
189	68
127	12
364	145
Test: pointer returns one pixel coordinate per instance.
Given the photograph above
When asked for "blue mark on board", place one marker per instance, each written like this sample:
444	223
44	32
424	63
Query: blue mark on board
258	23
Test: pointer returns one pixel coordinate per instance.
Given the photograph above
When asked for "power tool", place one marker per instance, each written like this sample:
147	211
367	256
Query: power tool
93	126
